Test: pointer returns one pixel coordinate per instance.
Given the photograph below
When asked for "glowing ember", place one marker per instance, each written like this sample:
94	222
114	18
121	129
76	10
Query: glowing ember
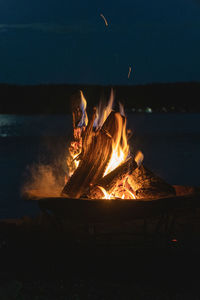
106	23
174	240
129	72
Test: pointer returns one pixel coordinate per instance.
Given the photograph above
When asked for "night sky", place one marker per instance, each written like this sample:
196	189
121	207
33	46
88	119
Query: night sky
46	41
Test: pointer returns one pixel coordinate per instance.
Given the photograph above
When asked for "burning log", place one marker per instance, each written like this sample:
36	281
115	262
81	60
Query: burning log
95	155
110	181
148	185
91	167
97	148
113	125
88	134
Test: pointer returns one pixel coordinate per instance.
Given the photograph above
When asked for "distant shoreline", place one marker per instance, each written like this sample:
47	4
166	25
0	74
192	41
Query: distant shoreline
55	98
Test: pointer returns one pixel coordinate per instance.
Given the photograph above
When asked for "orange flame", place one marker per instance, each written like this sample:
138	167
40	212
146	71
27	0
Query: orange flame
127	194
120	147
139	158
83	105
103	112
106	195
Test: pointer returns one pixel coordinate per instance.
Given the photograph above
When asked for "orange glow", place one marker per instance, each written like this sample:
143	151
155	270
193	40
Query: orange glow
106	195
117	193
139	158
132	196
83	105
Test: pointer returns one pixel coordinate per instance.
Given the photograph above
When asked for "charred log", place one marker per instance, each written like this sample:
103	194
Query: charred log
88	134
91	167
75	107
148	185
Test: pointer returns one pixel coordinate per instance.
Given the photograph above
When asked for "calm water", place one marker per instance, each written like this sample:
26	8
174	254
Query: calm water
170	143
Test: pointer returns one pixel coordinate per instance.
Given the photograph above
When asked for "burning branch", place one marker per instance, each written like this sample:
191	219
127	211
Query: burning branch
111	180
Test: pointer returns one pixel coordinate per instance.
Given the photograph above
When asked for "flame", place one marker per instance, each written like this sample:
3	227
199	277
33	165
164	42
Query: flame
103	112
127	194
132	196
120	147
139	158
83	105
106	195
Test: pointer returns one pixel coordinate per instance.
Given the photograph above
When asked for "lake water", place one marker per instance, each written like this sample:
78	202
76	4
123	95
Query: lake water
170	143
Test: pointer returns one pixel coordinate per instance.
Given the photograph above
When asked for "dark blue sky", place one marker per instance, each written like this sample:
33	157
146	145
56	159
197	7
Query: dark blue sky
45	41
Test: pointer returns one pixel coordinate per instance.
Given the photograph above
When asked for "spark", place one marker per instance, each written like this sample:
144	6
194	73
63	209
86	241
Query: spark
106	23
129	72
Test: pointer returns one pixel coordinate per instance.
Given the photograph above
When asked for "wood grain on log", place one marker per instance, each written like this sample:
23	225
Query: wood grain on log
113	125
91	167
148	185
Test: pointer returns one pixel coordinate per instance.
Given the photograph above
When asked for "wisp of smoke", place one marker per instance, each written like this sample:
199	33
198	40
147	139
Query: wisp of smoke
41	183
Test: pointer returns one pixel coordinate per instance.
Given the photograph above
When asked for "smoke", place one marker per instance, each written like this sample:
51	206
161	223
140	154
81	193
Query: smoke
42	182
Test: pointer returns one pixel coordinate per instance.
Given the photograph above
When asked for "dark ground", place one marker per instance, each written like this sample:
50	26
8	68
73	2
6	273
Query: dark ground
45	262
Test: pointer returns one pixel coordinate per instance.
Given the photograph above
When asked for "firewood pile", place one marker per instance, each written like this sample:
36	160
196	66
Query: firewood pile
92	147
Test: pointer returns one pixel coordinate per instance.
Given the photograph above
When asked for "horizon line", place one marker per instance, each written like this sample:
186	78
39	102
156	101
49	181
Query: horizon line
101	85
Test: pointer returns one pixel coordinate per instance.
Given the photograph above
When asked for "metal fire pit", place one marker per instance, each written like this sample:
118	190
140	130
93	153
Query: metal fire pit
127	221
116	210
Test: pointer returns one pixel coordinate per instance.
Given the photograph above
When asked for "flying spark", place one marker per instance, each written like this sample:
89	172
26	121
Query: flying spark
106	23
129	72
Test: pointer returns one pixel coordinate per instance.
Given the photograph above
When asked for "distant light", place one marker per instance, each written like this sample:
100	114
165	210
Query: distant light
149	110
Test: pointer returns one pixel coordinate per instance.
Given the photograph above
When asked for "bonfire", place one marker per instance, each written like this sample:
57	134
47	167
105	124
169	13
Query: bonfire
100	163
